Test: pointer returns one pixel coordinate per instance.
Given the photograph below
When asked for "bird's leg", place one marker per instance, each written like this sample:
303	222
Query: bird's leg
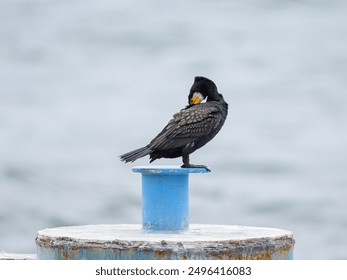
185	158
186	163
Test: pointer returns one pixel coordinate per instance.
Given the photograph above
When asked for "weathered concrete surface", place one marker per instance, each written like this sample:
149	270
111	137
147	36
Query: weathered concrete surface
129	242
7	256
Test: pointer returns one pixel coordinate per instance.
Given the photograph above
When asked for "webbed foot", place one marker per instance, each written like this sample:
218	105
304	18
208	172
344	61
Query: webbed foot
195	166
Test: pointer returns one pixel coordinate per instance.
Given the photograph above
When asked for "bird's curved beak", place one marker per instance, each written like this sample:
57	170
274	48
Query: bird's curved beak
196	99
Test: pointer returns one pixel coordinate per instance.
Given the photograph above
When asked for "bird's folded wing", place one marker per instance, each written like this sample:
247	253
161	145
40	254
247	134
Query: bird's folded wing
187	126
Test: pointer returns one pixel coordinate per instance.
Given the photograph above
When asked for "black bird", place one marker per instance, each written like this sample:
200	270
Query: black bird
190	129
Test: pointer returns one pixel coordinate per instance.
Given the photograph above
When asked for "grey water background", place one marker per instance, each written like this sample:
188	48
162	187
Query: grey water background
82	82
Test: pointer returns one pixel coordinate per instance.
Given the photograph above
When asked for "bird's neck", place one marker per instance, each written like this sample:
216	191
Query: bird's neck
216	97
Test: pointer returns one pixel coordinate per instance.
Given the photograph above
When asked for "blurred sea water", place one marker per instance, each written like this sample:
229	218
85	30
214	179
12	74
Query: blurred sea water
82	82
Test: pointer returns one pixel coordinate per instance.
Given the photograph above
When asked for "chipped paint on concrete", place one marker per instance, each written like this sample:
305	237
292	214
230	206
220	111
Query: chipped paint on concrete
129	242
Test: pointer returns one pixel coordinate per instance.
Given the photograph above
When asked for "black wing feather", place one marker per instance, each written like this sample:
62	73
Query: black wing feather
187	126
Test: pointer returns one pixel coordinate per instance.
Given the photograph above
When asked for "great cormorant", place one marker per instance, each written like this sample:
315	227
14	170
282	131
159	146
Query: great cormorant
190	129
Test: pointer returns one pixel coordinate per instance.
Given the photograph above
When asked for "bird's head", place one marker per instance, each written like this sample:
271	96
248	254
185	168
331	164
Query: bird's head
201	89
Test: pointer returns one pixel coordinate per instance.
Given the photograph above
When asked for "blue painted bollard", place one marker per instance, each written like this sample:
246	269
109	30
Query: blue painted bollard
165	197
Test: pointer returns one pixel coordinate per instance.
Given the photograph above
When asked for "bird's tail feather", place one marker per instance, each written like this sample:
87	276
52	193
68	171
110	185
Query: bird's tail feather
135	154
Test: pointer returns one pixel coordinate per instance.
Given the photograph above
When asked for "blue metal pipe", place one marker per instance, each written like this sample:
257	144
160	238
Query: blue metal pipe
165	197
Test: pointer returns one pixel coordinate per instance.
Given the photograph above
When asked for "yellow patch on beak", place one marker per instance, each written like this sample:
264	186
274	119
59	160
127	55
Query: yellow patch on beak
196	99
